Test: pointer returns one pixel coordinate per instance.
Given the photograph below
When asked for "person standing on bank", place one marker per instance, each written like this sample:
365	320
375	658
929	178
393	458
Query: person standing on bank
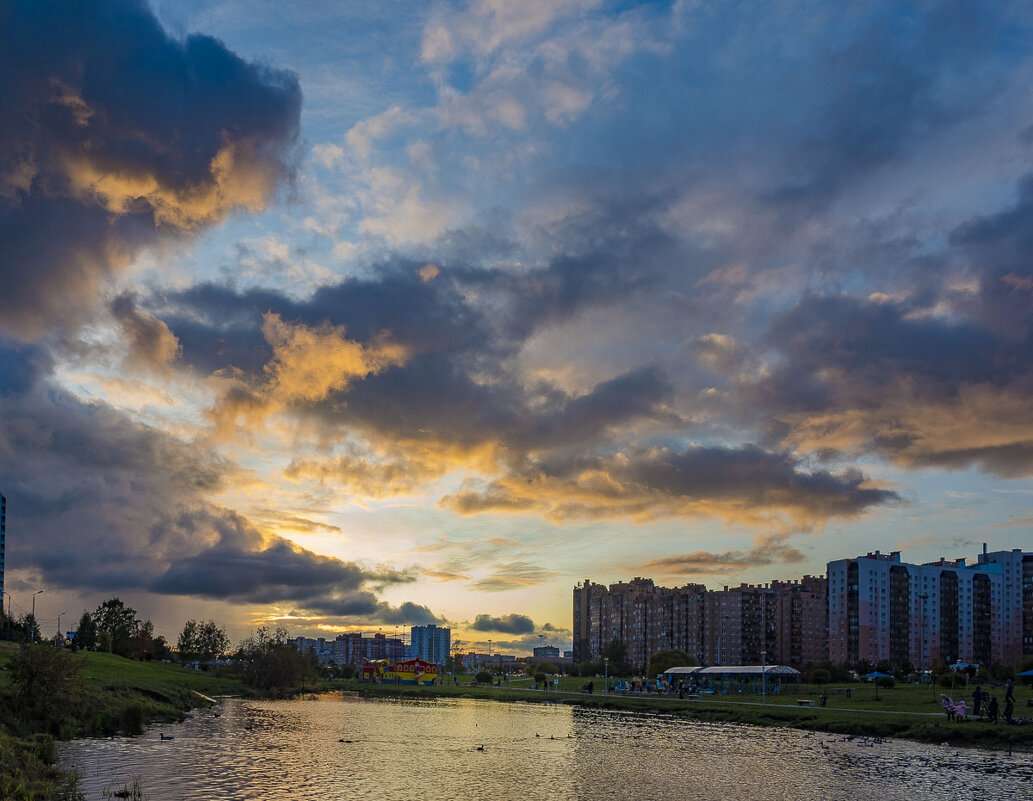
991	710
1009	708
977	701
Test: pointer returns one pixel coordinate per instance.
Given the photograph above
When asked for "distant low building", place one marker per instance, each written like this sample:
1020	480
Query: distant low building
405	671
353	648
547	652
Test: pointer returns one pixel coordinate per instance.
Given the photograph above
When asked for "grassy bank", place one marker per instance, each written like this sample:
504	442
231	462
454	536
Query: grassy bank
111	696
910	712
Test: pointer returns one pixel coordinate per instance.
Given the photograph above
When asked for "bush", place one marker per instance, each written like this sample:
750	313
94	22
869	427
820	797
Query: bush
886	683
540	679
820	676
46	684
484	677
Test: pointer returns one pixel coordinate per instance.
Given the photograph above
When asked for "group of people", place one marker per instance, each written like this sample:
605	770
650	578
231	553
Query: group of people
982	704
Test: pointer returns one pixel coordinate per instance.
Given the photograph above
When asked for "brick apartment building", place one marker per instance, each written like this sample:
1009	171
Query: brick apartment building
872	607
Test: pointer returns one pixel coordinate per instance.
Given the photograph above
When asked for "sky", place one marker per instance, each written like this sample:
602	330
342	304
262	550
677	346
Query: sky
341	315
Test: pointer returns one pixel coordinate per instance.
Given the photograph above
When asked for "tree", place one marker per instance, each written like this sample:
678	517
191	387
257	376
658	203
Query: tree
484	677
86	634
142	641
161	648
186	646
46	684
272	663
548	668
617	653
120	623
202	641
668	658
454	664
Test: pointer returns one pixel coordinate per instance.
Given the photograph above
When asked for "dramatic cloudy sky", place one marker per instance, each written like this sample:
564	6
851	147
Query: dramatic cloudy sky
368	314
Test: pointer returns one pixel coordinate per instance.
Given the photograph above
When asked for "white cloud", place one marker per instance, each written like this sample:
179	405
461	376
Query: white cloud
364	134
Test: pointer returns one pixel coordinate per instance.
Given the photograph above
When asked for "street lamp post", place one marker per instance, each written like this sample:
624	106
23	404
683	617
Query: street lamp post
59	616
32	631
763	678
606	675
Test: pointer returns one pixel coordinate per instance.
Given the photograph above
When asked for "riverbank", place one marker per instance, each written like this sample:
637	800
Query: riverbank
906	712
111	696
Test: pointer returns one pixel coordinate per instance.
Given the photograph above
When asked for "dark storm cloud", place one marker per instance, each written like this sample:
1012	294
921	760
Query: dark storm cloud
98	502
245	568
458	327
508	624
151	346
887	84
940	376
116	135
747	483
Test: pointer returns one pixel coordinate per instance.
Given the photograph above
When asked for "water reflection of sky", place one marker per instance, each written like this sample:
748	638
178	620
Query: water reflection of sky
332	748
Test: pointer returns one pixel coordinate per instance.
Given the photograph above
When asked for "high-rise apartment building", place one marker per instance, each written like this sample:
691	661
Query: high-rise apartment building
734	626
1016	569
883	608
873	608
430	643
801	608
637	613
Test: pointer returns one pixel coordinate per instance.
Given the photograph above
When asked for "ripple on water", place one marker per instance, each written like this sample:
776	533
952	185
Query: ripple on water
432	749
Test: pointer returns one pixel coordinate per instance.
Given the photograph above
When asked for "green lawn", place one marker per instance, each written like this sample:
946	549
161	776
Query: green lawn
910	711
110	671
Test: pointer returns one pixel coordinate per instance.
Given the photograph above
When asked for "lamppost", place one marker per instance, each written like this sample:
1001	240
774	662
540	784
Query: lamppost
32	631
763	678
606	675
60	614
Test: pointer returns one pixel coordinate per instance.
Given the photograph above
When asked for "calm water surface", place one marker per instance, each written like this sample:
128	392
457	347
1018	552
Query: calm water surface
430	750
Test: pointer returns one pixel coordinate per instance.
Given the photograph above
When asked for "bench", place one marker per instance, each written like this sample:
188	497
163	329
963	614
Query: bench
805	702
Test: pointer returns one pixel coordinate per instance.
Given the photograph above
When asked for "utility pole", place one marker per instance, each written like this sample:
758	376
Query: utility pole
32	628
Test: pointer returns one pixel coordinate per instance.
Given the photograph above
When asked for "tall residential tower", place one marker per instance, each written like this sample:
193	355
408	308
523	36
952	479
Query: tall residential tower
430	643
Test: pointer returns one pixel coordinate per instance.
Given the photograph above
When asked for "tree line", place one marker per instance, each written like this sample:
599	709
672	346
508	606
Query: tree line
114	627
266	660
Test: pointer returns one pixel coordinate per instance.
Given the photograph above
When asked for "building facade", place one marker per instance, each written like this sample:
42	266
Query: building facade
881	608
1016	599
430	643
874	607
742	625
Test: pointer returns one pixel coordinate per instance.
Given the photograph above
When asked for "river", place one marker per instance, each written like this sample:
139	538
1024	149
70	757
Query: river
333	747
